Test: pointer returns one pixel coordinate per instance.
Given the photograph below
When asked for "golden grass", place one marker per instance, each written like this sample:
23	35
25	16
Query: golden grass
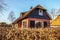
29	34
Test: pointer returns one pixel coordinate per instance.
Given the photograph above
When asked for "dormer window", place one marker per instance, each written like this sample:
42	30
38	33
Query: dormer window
40	12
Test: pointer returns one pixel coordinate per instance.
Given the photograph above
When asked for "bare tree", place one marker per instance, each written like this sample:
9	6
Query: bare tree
2	6
55	12
11	16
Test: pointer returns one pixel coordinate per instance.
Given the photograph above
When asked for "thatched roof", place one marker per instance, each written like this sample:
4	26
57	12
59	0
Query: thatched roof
56	22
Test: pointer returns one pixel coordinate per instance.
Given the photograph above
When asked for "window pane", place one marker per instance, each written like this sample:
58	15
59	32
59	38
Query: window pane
45	24
32	24
38	24
40	12
24	24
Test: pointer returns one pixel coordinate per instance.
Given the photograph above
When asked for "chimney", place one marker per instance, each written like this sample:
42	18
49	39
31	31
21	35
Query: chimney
31	7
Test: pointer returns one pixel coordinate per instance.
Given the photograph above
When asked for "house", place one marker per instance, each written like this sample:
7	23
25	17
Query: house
36	17
56	22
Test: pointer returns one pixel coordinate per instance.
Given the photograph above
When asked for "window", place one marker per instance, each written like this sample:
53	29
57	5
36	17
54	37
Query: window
40	12
16	25
24	24
45	24
42	24
38	24
32	24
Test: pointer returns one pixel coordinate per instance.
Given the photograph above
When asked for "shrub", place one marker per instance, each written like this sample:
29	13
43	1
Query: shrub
29	34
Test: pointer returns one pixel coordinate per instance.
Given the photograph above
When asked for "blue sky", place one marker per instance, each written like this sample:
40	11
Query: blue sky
19	6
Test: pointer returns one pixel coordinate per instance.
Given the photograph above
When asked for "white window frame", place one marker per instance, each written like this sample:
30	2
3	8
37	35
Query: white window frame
42	24
16	25
40	12
24	24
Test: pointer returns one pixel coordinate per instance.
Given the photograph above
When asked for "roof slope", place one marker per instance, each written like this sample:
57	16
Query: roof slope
56	22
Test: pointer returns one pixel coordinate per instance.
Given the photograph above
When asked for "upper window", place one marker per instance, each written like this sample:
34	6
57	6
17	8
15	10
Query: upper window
40	12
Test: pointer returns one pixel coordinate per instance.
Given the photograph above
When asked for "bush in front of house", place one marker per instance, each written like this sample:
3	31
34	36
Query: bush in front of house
30	34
